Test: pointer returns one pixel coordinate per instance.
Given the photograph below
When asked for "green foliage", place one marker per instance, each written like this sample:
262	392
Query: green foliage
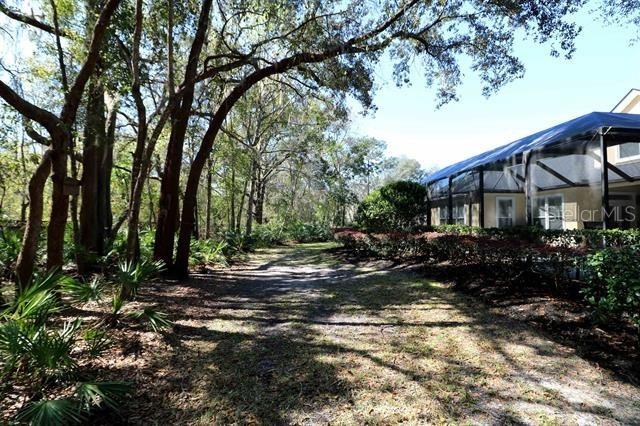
208	252
117	302
97	341
395	206
590	238
155	320
83	292
101	394
267	234
277	232
52	412
49	353
131	275
38	301
25	339
613	283
308	232
10	242
234	243
118	247
42	355
75	410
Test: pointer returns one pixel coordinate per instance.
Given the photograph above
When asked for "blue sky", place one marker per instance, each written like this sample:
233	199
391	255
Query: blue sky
604	68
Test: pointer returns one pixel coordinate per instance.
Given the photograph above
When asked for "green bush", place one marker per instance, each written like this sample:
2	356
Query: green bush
131	275
208	252
10	242
40	355
308	232
612	277
267	235
398	206
277	232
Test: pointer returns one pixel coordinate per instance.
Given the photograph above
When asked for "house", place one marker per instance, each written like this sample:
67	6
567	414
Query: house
553	178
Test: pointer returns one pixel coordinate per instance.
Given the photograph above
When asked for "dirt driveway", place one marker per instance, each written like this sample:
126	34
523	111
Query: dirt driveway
296	337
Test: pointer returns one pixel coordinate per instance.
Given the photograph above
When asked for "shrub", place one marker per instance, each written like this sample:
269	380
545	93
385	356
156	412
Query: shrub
612	278
10	242
82	292
208	252
131	275
33	350
396	206
267	235
308	232
97	341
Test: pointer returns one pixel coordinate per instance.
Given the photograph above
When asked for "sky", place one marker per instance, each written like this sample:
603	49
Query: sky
604	68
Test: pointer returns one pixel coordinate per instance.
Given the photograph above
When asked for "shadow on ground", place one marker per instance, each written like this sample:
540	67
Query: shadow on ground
297	337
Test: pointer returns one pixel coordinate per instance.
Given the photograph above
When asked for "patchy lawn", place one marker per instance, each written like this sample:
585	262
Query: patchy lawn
297	336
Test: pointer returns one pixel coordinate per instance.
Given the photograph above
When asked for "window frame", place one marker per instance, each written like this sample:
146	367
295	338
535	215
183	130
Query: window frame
546	207
623	159
443	219
457	207
513	204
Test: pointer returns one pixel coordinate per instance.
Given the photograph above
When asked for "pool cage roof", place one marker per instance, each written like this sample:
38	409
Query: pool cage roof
581	128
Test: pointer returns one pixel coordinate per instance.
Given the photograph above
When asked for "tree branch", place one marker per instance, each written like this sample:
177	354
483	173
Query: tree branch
27	109
31	21
70	108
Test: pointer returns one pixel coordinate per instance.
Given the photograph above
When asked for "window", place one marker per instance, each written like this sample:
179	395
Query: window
548	212
444	216
629	151
458	214
505	212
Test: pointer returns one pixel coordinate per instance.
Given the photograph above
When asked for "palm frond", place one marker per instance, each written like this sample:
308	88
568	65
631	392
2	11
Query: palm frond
50	353
15	342
52	412
38	301
131	274
97	341
156	320
116	303
82	292
102	394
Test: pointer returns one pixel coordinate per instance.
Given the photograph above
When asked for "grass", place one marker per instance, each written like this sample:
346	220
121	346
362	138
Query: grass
295	336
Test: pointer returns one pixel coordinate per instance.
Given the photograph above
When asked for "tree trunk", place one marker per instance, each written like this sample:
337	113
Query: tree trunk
232	216
181	266
74	198
259	215
26	258
91	228
142	155
248	227
105	212
59	204
207	228
168	213
4	191
196	225
59	128
241	205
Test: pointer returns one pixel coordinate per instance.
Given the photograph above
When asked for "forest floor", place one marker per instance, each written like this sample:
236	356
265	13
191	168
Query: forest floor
295	335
